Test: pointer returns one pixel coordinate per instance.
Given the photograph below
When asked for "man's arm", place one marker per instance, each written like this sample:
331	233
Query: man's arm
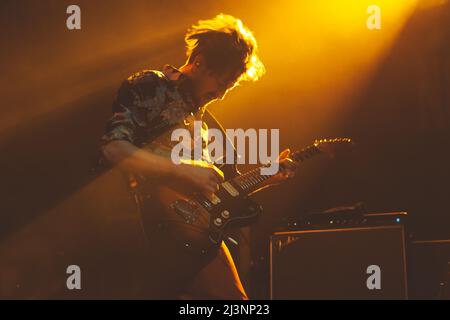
134	159
200	174
128	126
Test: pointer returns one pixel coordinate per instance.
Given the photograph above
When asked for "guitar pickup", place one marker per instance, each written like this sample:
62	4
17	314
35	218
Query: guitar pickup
214	199
230	189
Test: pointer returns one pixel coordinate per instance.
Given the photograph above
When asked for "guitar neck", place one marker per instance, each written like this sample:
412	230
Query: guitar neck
253	179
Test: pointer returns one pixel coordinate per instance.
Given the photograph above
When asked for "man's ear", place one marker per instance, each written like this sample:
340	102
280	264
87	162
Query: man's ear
198	64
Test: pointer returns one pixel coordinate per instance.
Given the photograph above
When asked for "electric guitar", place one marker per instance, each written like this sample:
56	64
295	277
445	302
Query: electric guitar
199	220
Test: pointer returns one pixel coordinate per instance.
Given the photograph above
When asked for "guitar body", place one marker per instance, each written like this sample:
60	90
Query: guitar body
194	220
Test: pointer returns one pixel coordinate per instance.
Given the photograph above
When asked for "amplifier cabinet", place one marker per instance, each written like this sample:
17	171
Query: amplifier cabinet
346	263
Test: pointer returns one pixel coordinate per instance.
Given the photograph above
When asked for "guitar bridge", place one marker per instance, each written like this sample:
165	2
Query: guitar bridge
187	210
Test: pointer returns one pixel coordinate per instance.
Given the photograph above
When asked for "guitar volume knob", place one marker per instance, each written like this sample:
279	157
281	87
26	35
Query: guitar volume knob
218	222
225	214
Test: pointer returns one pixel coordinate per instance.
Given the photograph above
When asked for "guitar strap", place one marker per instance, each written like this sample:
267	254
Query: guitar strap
230	170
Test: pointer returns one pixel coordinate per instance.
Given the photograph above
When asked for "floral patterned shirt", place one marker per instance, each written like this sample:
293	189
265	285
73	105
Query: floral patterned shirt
148	103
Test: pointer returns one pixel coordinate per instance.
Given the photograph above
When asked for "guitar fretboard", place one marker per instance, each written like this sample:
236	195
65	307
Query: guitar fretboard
250	180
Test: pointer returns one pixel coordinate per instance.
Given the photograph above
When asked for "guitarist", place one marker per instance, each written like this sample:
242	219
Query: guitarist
221	53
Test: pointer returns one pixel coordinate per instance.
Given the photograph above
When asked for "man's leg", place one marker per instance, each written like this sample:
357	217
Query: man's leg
218	280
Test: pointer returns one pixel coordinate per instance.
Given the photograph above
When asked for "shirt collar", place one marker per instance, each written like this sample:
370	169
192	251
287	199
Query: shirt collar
183	84
172	73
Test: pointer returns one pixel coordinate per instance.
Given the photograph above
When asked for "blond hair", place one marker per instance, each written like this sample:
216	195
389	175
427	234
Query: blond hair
227	46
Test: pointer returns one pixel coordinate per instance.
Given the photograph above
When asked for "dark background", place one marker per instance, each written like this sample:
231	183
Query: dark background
326	76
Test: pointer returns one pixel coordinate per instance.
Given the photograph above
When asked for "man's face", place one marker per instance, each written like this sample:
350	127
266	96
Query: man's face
208	86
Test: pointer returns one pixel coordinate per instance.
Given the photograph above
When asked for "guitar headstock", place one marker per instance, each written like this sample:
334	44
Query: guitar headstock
334	146
323	146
